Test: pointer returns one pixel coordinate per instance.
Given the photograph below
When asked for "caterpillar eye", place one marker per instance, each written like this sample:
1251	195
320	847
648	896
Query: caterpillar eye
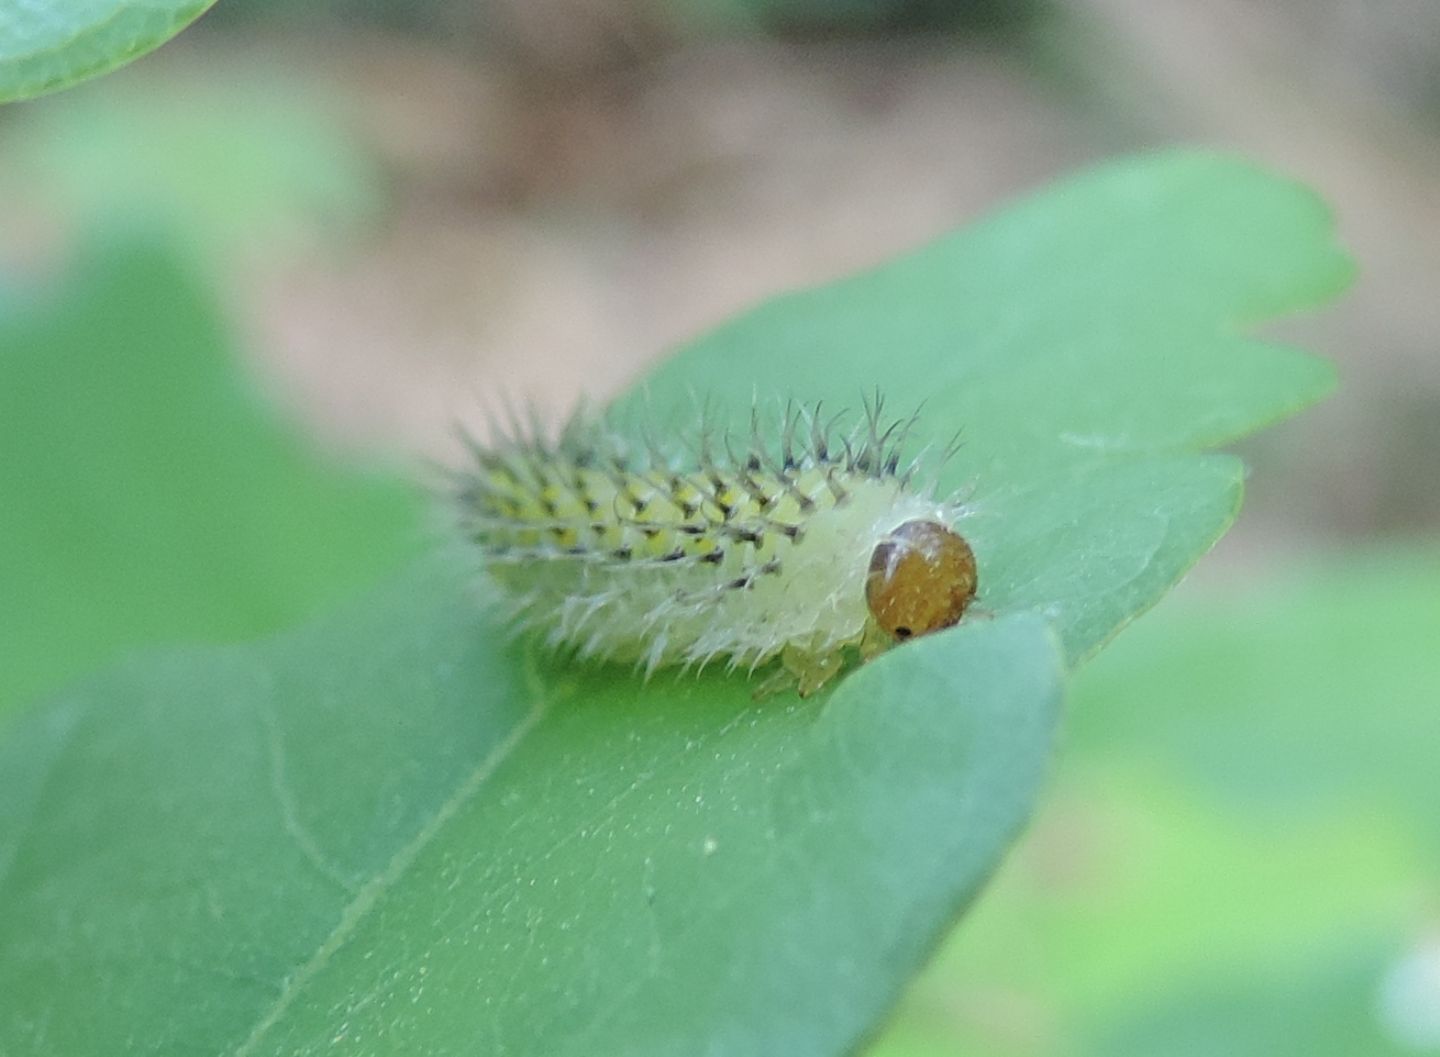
922	578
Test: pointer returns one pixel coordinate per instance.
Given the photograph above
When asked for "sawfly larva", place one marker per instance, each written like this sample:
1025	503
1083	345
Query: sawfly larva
808	547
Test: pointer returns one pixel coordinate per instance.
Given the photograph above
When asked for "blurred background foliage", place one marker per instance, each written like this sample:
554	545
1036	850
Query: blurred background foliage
248	285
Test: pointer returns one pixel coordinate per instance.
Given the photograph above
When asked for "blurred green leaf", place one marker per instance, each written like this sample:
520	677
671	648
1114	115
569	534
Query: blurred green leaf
1324	1010
51	44
1316	693
246	166
390	833
150	496
1241	839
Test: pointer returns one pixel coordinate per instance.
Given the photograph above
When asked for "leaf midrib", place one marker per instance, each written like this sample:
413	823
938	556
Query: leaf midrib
370	893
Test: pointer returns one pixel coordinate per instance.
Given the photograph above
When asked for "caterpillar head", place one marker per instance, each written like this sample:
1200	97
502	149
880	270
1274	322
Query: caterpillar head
921	579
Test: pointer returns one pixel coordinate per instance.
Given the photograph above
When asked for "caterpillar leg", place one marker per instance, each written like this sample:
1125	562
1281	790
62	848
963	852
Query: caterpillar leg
811	670
874	641
777	682
802	671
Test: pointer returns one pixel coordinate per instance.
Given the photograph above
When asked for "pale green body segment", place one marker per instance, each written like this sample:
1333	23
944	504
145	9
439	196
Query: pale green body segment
740	563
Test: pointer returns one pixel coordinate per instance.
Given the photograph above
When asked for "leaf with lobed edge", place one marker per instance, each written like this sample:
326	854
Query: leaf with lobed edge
1082	341
392	831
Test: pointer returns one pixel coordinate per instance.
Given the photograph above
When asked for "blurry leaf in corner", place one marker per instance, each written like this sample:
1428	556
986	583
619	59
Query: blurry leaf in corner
1319	690
149	494
48	46
249	164
1326	1007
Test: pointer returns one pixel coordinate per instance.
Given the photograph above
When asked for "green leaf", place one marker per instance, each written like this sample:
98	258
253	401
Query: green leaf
149	495
245	167
1322	691
390	832
51	44
1080	342
1333	1009
381	831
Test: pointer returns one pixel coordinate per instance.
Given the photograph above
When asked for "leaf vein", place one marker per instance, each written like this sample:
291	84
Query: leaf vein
285	801
370	893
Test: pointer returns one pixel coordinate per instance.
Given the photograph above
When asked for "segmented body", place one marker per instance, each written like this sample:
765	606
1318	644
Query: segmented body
739	558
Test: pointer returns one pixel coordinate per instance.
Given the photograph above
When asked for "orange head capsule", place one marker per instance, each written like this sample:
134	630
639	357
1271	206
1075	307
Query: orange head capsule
921	579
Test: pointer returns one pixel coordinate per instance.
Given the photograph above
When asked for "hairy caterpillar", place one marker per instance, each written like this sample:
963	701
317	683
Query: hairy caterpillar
806	547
